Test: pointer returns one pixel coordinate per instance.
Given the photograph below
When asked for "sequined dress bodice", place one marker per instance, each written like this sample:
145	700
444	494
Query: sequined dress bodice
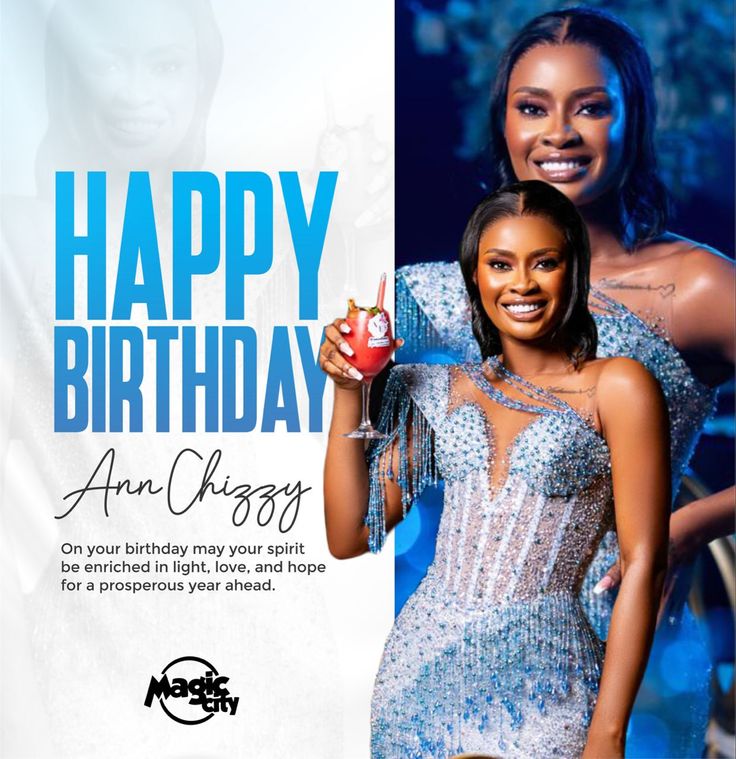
494	639
433	315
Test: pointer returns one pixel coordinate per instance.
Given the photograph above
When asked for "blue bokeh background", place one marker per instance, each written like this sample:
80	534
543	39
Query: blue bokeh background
445	61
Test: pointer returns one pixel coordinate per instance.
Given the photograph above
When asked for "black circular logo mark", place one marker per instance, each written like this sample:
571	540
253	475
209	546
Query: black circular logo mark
191	691
163	703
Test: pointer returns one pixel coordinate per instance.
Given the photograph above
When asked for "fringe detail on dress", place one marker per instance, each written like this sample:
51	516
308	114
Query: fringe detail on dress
433	315
493	672
414	325
401	418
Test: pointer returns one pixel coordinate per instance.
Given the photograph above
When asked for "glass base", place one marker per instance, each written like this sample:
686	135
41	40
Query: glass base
365	432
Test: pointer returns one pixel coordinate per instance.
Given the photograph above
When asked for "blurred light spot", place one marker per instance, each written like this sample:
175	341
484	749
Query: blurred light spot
724	671
653	736
430	34
461	10
681	665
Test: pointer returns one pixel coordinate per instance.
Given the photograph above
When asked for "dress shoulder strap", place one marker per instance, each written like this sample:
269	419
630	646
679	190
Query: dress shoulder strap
580	399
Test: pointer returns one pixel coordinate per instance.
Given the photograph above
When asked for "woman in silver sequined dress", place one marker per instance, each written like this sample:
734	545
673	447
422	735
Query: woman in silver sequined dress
574	105
493	653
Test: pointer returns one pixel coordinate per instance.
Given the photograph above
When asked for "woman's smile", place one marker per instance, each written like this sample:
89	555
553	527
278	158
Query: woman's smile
557	167
525	310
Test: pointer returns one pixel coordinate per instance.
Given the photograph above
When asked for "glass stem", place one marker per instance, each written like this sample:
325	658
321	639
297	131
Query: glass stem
365	421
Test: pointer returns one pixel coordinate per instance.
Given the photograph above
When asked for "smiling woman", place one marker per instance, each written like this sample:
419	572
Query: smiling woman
128	85
522	288
573	104
493	652
572	135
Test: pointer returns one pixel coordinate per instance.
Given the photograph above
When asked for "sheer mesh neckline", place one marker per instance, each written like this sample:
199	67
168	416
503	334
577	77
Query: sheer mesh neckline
511	410
615	309
555	404
618	309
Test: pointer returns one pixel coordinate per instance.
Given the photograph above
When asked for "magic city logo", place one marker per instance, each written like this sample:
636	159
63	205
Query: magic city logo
191	691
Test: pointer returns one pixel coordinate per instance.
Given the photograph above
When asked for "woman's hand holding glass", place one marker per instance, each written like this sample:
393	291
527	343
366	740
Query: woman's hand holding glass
333	356
366	343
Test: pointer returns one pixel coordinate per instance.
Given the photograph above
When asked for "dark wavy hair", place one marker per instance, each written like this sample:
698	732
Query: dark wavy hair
641	195
575	334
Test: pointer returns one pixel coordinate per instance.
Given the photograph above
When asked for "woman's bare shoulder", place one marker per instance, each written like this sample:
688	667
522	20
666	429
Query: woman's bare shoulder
625	385
614	372
619	374
695	270
683	250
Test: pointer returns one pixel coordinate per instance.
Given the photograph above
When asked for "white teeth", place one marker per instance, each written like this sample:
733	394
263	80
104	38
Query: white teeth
560	165
523	308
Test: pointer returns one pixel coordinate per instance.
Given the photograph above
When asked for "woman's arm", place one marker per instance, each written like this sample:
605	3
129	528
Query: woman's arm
692	527
346	472
703	326
703	317
695	525
634	418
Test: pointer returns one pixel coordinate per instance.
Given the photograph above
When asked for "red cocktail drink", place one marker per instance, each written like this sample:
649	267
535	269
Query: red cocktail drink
372	343
370	337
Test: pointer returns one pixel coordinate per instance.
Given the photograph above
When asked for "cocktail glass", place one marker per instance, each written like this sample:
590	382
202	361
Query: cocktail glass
372	343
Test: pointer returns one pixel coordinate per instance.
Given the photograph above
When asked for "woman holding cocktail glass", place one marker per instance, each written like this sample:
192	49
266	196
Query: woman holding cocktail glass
573	105
493	652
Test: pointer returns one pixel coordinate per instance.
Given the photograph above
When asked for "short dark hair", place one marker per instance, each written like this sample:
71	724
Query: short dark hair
642	197
576	332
